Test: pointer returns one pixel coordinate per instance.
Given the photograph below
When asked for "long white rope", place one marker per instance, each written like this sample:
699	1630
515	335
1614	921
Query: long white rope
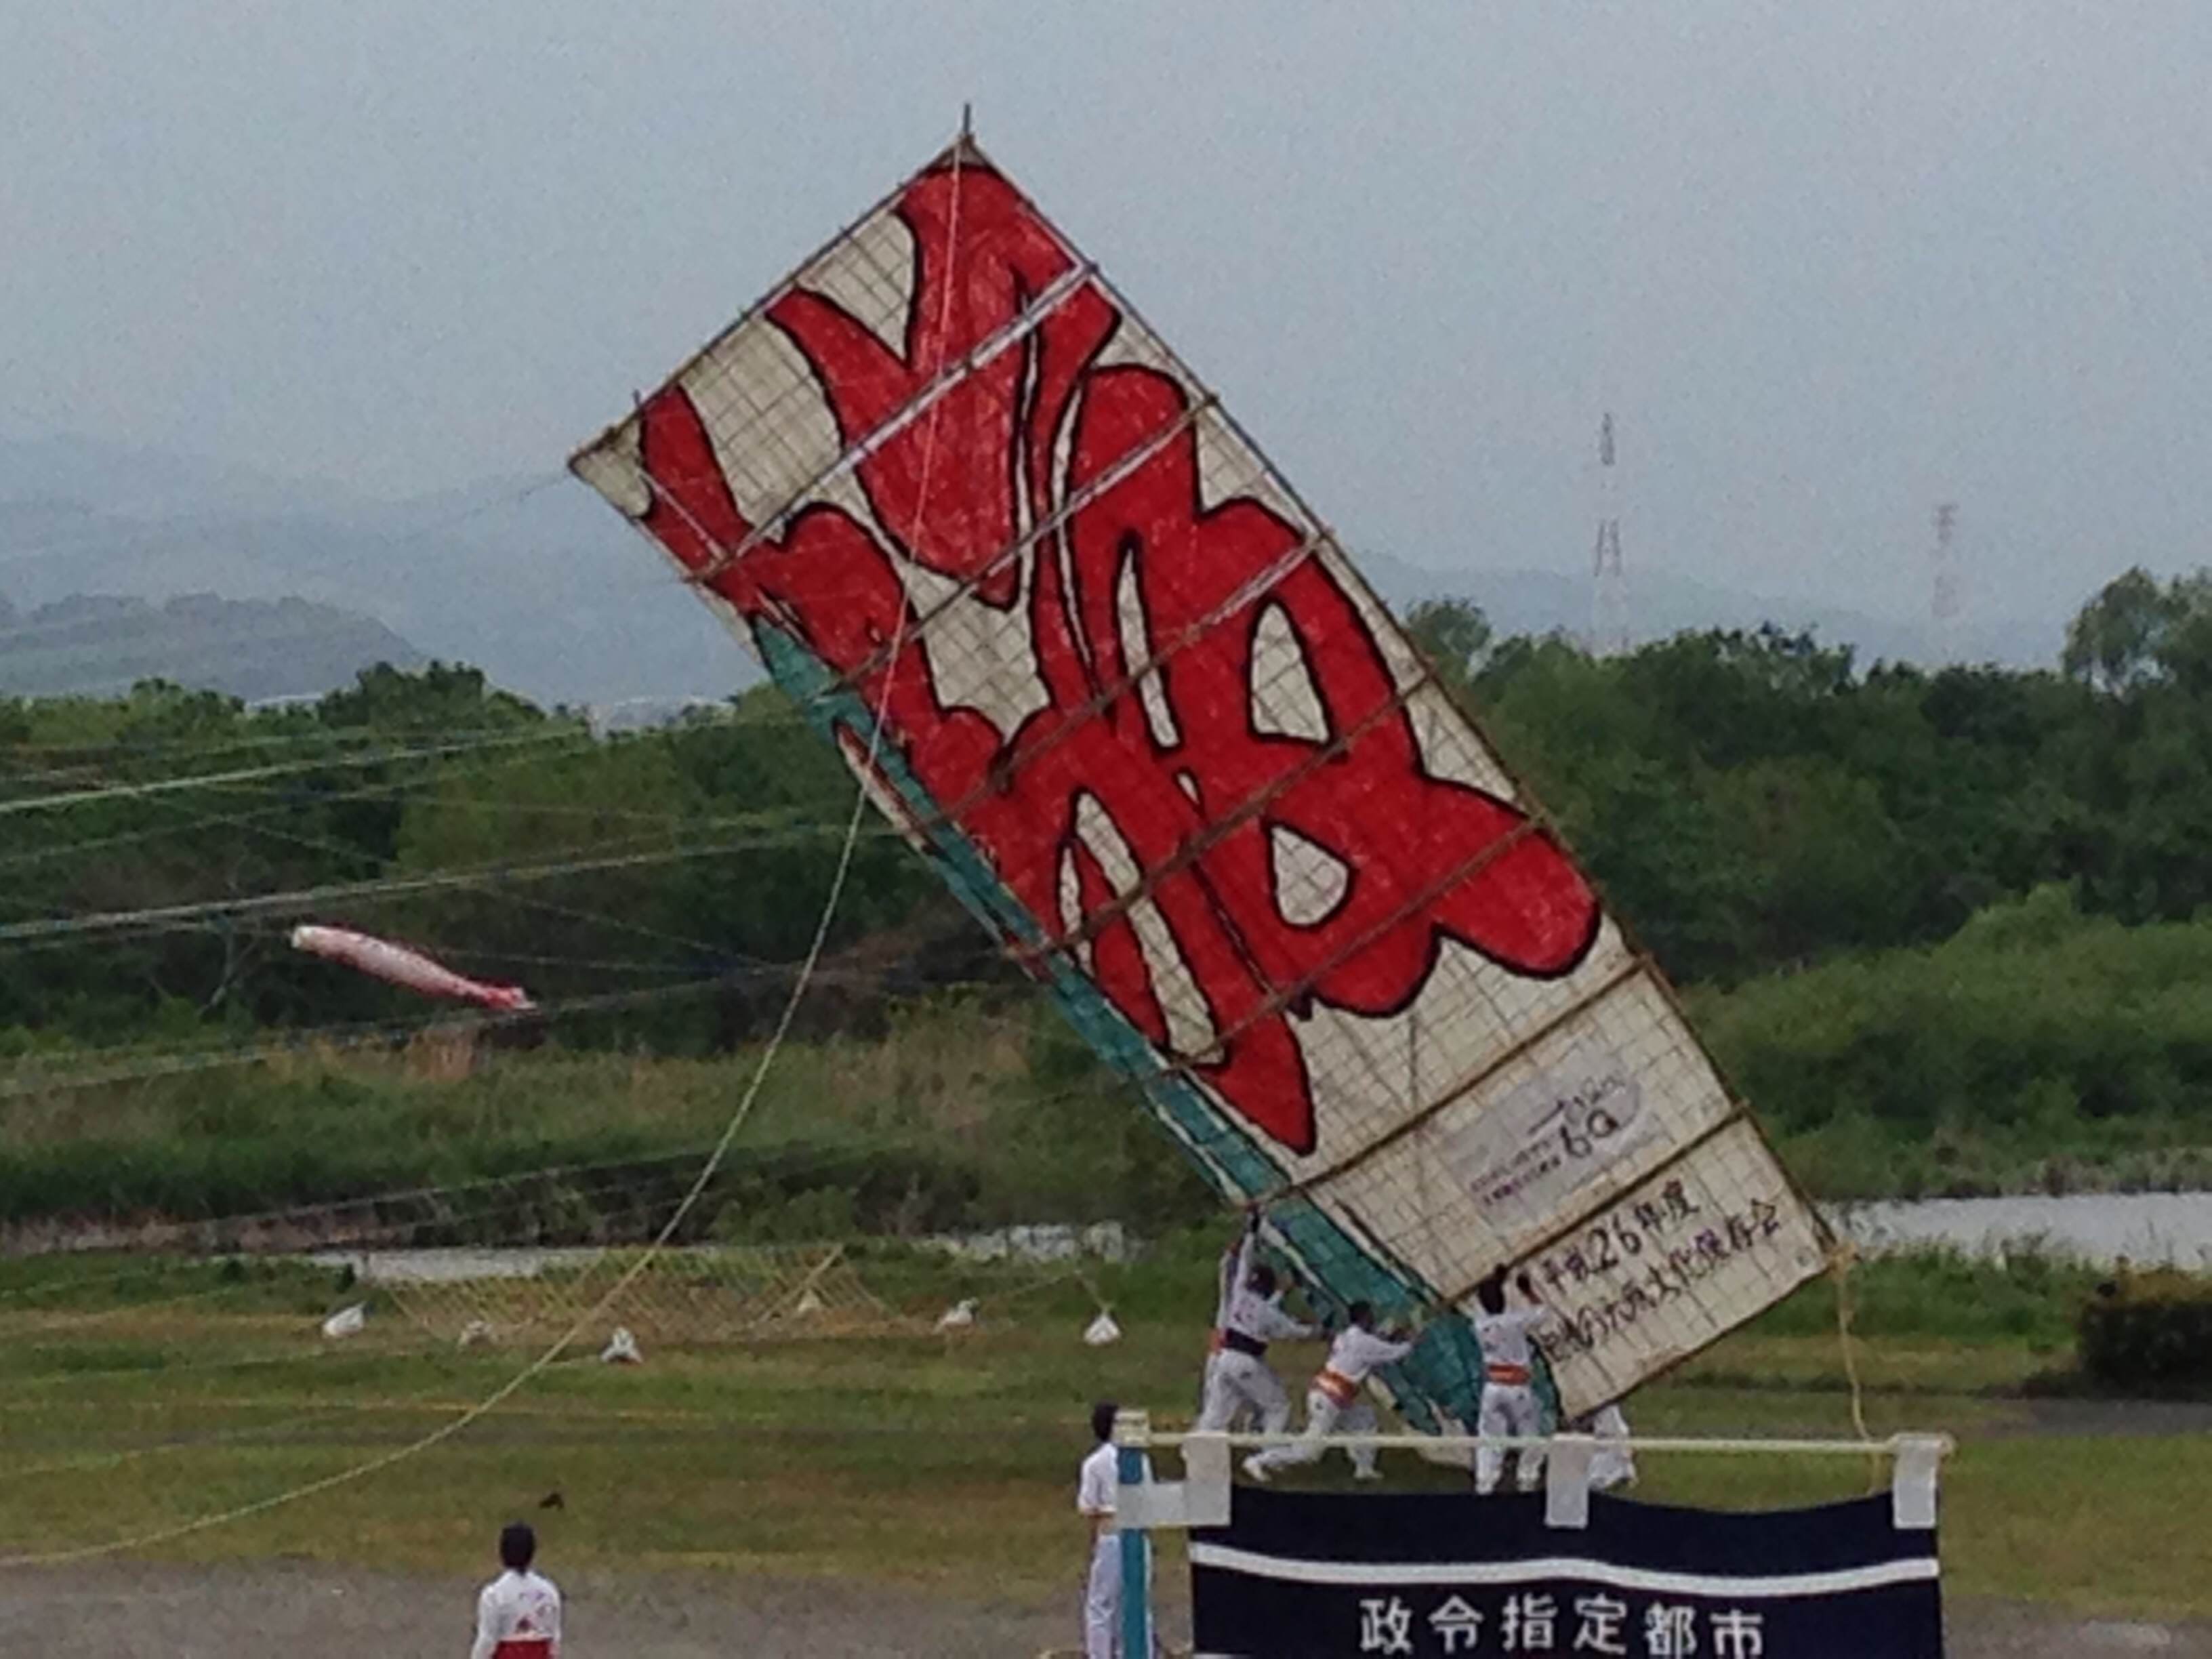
522	1378
111	533
307	898
123	748
180	1062
47	803
289	797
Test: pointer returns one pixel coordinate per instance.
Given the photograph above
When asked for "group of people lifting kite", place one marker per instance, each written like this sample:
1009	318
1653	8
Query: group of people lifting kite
1242	1390
1240	1385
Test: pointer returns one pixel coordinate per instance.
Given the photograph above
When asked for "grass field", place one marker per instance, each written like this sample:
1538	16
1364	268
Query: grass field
136	1399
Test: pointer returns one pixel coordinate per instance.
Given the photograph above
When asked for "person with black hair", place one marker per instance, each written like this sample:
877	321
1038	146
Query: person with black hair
518	1615
1508	1394
1095	1490
1337	1399
1237	1375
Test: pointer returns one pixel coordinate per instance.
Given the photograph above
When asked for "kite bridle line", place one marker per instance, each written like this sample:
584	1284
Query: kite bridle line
486	1198
166	530
1260	584
137	1065
299	899
1121	468
1062	289
21	805
492	1401
178	1062
1842	1258
290	800
922	824
249	821
1537	821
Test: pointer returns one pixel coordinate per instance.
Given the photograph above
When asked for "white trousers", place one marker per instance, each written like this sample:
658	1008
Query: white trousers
1102	1599
1234	1380
1612	1466
1323	1417
1508	1409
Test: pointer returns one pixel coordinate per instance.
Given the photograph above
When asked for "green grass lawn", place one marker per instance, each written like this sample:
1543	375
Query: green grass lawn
947	1463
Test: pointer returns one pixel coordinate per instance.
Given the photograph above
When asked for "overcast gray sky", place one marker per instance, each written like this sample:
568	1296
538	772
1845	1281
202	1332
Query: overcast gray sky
1830	263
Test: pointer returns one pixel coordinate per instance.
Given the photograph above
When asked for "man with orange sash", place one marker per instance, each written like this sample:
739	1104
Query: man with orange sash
1337	1401
1509	1393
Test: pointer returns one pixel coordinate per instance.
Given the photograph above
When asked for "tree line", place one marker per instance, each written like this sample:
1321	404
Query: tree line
1755	801
1750	802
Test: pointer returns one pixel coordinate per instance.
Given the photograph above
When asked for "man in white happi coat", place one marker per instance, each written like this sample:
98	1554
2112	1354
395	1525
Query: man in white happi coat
1225	1286
1095	1490
1337	1401
1613	1463
518	1615
1509	1377
1247	1318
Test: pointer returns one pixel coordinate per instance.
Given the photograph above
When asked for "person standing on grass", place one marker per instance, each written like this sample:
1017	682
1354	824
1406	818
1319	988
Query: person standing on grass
1509	1395
1614	1463
1337	1399
1096	1490
1246	1320
518	1615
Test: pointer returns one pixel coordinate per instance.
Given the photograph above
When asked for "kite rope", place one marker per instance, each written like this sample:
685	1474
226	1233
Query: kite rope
110	535
288	801
1839	1272
137	1065
245	774
522	1378
124	1063
157	917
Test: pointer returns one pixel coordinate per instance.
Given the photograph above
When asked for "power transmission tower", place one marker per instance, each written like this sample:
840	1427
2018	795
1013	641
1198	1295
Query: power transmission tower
1609	633
1943	592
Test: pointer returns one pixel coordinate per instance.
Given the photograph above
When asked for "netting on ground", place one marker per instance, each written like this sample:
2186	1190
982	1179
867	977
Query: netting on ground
701	1294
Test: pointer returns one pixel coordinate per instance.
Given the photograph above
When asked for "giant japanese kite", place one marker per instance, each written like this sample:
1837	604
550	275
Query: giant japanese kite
1154	730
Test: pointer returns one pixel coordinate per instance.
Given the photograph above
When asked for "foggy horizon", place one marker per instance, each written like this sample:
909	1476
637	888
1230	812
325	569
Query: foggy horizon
1827	270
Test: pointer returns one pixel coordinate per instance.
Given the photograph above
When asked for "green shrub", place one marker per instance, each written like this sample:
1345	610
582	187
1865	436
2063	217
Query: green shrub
2039	1048
2151	1334
1941	1292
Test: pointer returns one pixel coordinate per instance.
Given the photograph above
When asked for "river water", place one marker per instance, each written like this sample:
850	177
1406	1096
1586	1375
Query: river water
2173	1228
2095	1227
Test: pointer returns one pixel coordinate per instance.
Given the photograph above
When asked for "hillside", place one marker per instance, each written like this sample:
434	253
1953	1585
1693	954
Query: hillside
537	583
102	645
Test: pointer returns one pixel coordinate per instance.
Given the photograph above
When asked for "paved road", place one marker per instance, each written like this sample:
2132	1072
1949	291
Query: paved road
281	1612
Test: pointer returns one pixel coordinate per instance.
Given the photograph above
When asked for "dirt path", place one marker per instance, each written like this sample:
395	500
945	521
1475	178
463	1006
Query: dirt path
282	1611
279	1612
2084	1417
287	1610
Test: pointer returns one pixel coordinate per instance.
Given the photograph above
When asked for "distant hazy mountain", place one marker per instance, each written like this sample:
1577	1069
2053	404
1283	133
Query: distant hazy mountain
537	583
547	592
1545	601
250	649
153	483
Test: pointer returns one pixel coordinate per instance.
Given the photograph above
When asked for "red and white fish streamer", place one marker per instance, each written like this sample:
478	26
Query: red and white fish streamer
399	965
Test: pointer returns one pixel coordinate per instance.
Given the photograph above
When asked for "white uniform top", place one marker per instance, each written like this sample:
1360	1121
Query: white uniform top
1504	1336
1245	1311
517	1617
1253	1315
1231	1279
1100	1479
1356	1352
1095	1488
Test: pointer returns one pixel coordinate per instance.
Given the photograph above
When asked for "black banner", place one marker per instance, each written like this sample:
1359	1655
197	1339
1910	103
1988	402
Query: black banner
1429	1576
